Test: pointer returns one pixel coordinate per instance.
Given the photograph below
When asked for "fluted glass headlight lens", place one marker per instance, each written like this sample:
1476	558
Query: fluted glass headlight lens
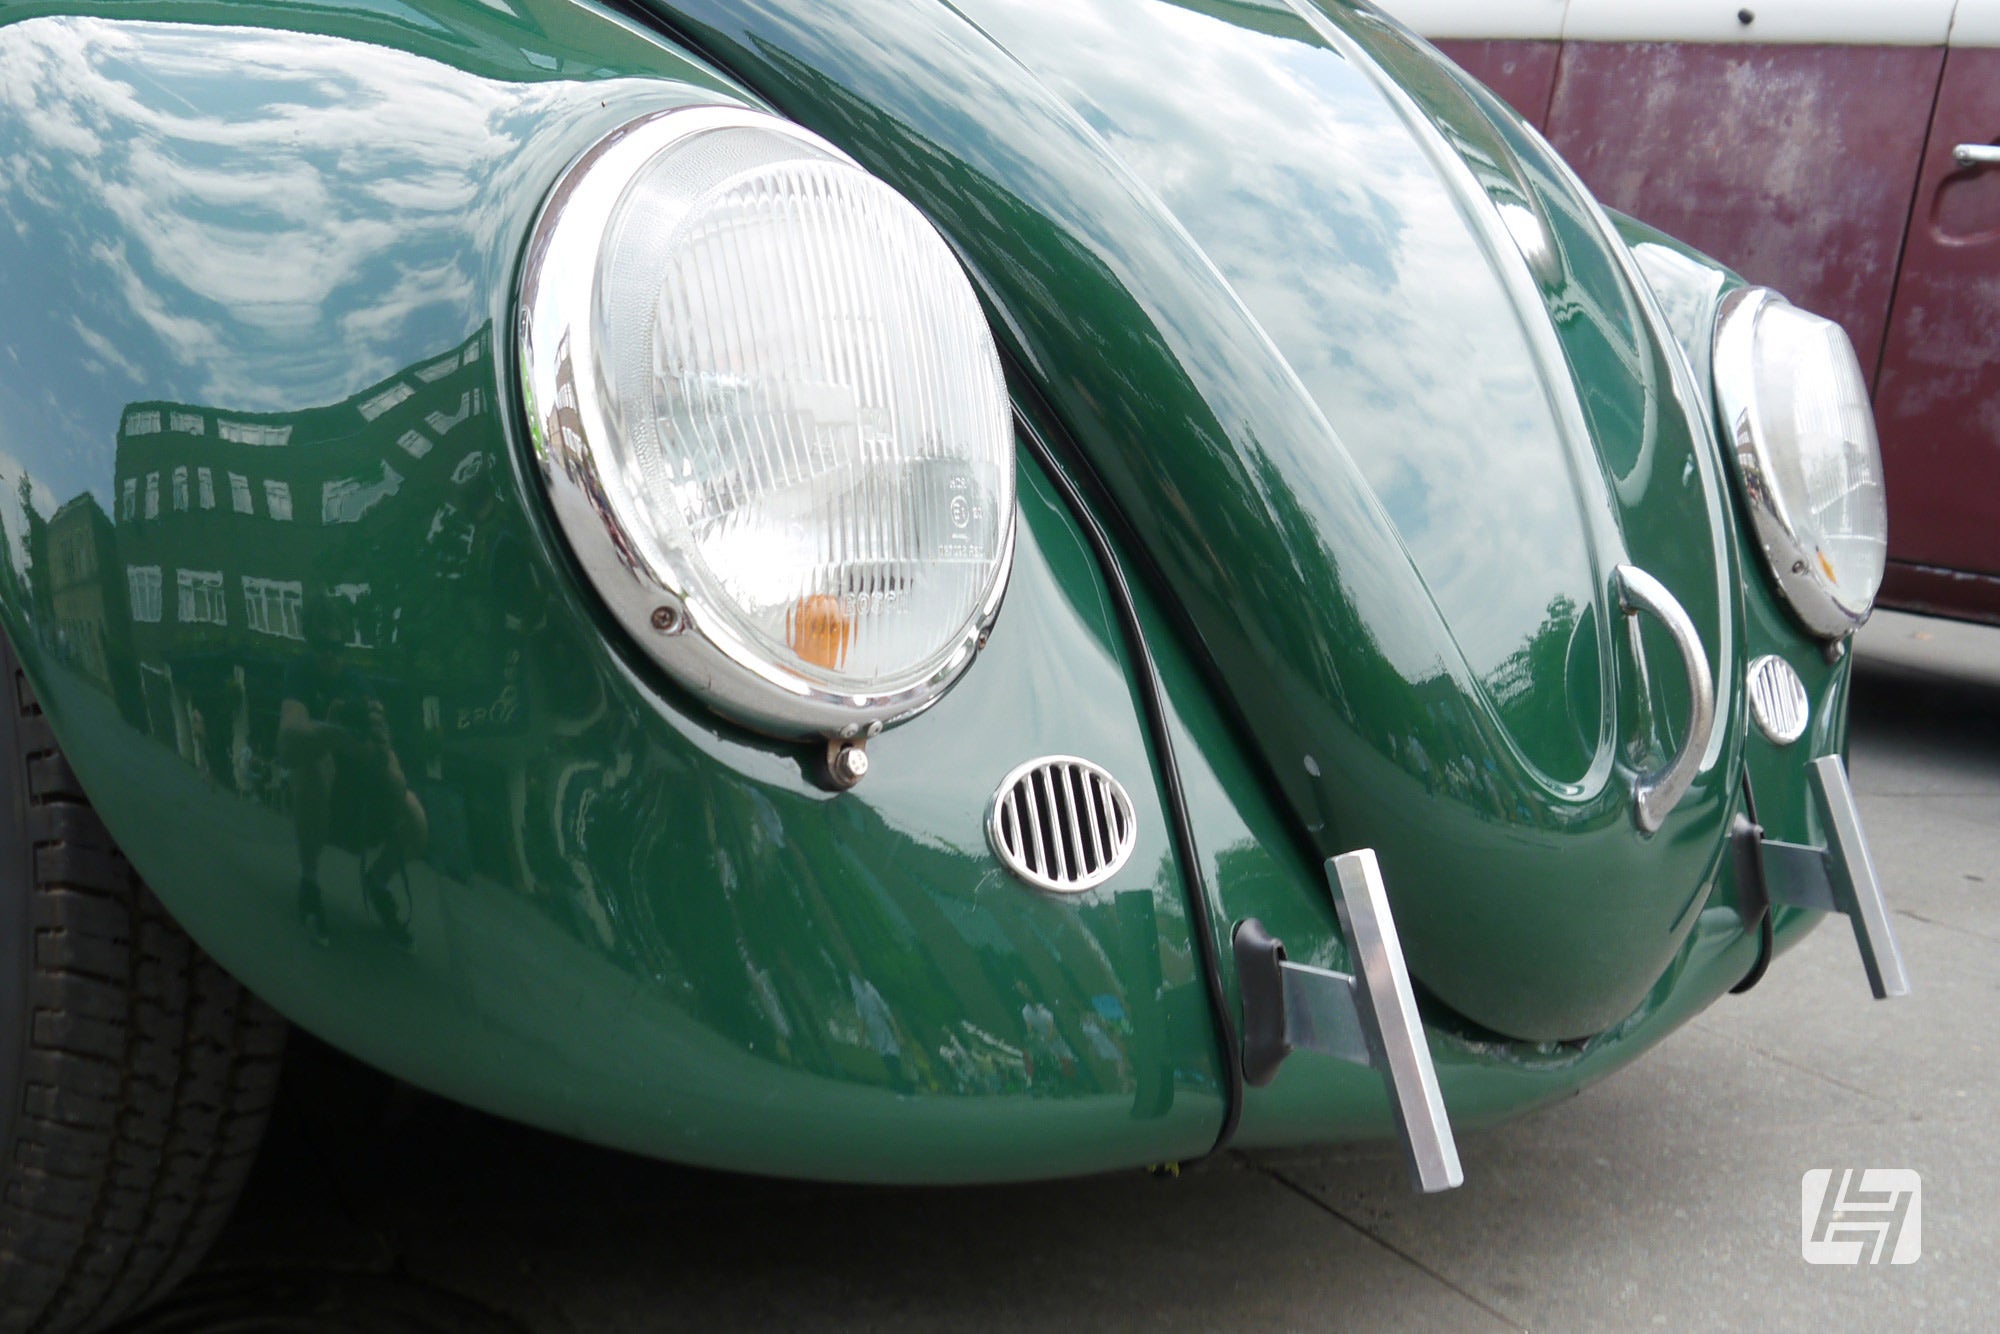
795	413
1796	404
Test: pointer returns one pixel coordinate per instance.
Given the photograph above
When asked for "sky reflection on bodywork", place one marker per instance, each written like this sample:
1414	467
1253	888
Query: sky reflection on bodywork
267	291
1310	195
263	278
1282	559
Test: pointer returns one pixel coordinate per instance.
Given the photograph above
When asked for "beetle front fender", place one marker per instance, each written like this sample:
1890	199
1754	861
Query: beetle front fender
261	281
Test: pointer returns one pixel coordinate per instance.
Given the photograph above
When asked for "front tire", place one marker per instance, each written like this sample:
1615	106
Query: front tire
135	1074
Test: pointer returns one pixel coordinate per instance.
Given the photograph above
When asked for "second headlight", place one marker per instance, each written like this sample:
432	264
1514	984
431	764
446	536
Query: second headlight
1796	416
771	418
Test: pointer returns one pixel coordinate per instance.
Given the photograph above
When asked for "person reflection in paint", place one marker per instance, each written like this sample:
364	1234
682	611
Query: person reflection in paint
348	786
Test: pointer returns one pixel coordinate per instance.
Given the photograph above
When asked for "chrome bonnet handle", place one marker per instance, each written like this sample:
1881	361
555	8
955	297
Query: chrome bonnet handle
1656	792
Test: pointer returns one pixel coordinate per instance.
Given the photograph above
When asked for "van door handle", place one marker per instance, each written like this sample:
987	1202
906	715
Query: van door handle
1976	155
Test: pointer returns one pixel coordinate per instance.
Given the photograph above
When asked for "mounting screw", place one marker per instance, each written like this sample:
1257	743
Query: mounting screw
851	765
846	763
1745	17
667	620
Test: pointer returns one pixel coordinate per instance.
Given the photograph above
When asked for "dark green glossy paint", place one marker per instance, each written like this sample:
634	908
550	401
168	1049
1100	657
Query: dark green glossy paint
1253	864
551	885
607	913
1690	287
1526	899
1255	871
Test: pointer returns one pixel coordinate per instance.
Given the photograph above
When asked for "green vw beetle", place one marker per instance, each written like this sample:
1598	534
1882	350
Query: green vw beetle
885	591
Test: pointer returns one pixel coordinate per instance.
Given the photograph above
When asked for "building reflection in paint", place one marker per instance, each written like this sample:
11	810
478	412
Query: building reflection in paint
302	608
235	538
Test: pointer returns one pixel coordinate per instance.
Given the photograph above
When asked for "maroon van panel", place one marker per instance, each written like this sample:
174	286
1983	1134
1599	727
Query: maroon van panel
1937	400
1523	73
1795	165
1925	588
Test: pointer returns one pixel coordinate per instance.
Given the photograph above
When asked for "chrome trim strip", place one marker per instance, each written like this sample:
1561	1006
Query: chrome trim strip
1062	827
1094	816
1656	792
1037	858
1079	857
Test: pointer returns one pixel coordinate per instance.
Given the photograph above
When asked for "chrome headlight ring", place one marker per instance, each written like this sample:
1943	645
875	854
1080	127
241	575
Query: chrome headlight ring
1797	420
770	418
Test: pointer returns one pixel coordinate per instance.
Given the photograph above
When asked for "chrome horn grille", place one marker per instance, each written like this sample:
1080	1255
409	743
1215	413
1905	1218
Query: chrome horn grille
1778	703
1062	824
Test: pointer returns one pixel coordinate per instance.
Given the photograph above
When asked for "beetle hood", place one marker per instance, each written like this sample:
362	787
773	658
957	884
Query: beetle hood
1380	397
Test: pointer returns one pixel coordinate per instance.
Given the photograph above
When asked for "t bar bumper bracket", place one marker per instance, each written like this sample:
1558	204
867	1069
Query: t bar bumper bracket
1368	1019
1839	877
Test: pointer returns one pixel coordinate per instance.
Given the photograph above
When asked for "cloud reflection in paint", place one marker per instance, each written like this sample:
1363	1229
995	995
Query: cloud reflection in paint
1313	200
235	244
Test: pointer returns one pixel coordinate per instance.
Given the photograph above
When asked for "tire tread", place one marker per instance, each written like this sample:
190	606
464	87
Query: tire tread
148	1075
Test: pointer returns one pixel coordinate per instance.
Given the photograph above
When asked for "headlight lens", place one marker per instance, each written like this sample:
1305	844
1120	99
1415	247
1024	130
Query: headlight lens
771	418
1795	406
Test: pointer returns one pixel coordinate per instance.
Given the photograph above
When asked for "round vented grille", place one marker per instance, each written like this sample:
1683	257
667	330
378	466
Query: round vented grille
1062	823
1778	702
